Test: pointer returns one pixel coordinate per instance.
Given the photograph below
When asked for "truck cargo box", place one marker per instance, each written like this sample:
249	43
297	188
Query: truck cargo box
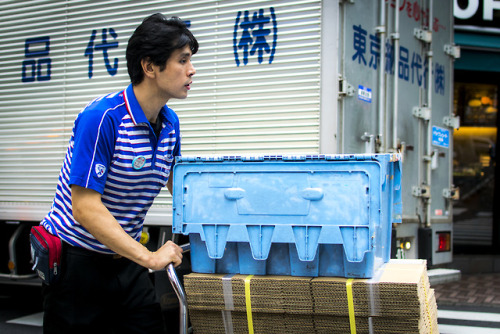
299	215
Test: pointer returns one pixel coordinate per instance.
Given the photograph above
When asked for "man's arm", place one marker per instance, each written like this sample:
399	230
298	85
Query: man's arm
91	213
170	182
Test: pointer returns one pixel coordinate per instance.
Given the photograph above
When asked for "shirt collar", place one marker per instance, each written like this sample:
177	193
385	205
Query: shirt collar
134	108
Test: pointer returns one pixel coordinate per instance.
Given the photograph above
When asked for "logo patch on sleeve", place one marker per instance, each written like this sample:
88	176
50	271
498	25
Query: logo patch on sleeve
100	170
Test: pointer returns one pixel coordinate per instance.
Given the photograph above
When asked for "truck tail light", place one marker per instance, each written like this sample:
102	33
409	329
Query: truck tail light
444	241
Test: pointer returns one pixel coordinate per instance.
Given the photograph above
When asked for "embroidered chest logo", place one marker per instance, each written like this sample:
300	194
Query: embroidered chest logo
138	162
100	170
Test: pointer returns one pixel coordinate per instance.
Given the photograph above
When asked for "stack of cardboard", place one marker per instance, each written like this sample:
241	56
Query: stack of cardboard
397	300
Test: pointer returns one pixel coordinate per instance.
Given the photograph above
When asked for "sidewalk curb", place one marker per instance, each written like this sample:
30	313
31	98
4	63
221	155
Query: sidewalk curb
441	275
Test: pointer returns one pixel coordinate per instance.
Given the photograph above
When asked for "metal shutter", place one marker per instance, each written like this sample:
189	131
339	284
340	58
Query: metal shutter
266	105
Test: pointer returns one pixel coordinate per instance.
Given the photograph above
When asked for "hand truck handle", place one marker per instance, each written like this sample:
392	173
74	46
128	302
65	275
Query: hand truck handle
181	295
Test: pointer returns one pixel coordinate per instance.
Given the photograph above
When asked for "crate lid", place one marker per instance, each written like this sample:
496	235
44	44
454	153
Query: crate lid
287	157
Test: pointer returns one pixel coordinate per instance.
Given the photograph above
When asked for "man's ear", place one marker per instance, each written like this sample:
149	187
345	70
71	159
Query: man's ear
148	67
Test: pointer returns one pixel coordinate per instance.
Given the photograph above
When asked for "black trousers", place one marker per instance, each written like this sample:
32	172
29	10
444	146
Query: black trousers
100	294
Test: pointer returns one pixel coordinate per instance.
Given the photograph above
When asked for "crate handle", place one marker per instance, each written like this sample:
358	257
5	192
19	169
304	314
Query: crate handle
312	194
234	193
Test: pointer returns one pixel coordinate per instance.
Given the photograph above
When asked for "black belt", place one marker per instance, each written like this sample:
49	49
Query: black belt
86	252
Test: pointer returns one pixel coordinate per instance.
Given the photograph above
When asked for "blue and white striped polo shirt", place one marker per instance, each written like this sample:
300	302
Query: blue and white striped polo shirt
114	150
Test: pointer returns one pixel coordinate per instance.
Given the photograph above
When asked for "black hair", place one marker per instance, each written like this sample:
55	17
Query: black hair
156	38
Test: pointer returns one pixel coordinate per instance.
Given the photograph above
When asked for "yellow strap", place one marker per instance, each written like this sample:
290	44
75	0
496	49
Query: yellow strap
248	304
350	304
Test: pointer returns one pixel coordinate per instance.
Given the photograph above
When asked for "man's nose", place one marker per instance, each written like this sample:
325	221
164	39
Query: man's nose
192	71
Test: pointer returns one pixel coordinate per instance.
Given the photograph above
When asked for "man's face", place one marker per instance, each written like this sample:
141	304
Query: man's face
175	80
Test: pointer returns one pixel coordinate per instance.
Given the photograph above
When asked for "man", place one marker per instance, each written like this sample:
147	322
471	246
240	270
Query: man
120	155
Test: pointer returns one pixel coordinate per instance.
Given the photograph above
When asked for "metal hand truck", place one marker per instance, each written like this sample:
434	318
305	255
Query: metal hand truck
181	294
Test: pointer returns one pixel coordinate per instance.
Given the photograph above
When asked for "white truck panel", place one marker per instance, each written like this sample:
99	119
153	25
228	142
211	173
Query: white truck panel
273	76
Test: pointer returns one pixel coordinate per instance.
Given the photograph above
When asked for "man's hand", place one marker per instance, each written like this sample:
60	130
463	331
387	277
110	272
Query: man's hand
168	253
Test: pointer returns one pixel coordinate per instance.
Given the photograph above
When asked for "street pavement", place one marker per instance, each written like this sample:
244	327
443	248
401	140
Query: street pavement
477	290
470	305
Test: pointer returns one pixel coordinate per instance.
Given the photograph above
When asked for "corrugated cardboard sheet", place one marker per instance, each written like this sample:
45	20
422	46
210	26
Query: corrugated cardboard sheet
397	300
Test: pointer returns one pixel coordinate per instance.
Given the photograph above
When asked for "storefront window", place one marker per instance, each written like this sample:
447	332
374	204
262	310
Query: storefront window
474	162
476	104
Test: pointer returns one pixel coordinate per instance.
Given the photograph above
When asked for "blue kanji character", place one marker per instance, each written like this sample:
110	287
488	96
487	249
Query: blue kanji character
439	79
253	36
403	66
359	44
416	68
374	51
33	68
260	45
104	46
246	37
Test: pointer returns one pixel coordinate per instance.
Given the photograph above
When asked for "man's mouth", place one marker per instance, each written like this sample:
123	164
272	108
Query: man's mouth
188	86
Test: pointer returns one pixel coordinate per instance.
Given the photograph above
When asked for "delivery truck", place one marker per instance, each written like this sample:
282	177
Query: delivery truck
273	77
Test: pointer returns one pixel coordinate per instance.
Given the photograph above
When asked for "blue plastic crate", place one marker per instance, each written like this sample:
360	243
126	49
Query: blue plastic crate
299	215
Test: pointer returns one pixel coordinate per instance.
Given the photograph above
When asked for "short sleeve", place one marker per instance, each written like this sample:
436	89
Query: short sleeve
94	140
